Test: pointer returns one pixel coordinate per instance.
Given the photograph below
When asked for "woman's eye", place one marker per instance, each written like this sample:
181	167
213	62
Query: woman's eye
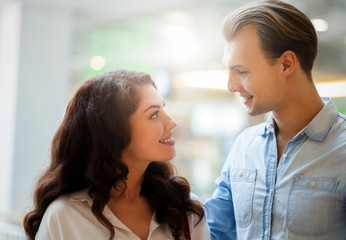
155	115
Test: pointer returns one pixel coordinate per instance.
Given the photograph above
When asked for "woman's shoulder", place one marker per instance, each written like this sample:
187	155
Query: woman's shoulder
64	216
192	217
56	213
199	228
66	205
59	208
194	197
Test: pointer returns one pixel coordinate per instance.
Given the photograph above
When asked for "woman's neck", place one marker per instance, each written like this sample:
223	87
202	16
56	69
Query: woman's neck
133	185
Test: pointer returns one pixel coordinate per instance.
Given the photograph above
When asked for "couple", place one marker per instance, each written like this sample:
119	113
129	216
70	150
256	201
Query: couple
110	175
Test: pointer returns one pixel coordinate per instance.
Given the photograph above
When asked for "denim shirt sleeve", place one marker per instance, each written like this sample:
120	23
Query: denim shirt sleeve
219	209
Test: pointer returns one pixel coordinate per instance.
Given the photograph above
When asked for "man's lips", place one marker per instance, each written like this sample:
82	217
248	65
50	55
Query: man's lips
246	98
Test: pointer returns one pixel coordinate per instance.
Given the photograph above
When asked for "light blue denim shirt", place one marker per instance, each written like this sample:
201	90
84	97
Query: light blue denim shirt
303	197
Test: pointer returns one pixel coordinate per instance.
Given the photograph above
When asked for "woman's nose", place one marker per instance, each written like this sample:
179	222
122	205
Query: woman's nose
171	123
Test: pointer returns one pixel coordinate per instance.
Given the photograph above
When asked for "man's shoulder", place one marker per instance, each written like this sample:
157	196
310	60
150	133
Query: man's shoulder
249	135
338	128
341	118
336	137
253	131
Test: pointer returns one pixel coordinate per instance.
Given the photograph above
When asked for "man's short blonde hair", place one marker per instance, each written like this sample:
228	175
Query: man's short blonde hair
280	27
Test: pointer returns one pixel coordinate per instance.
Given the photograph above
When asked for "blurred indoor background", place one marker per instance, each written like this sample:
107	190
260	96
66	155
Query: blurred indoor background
49	47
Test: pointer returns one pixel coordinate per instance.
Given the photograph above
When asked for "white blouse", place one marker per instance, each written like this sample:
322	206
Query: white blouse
70	217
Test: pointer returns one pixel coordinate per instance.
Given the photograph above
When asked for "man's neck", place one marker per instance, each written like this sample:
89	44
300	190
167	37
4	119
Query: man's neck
302	104
300	108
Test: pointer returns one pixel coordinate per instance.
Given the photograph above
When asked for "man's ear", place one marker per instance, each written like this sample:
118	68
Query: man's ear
289	62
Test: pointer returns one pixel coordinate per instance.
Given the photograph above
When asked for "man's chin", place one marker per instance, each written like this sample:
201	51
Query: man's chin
253	113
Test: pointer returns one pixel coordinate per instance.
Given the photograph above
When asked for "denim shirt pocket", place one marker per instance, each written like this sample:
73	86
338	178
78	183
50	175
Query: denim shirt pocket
310	206
243	187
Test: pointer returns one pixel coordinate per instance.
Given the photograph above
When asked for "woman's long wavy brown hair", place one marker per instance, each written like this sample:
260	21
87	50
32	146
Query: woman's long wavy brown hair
86	153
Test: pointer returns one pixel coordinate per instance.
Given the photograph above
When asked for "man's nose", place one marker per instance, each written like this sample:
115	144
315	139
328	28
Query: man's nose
232	84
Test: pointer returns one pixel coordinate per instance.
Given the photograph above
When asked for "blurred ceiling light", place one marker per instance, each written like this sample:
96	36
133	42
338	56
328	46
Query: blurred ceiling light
181	46
320	25
97	62
178	17
217	79
177	33
332	89
213	79
181	52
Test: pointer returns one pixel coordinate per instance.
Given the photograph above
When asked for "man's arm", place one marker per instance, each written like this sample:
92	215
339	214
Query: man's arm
219	209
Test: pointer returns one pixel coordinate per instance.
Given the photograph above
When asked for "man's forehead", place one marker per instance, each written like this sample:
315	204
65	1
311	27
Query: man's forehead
243	48
230	53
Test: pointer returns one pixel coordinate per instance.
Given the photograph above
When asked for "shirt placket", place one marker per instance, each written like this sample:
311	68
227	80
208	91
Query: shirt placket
271	169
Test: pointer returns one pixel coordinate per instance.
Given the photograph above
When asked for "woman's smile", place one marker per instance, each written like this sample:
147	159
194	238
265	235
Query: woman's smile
169	140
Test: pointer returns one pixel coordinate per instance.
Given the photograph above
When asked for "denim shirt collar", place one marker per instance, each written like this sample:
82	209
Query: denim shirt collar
269	126
319	126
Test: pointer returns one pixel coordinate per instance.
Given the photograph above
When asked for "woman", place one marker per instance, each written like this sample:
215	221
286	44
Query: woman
109	177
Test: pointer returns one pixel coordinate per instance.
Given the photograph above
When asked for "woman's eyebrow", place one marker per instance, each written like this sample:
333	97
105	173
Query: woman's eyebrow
154	106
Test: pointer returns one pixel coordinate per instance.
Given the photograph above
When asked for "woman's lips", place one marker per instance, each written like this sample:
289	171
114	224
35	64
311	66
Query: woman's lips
169	140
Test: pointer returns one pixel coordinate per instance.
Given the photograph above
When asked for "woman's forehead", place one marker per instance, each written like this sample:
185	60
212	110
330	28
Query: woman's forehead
148	95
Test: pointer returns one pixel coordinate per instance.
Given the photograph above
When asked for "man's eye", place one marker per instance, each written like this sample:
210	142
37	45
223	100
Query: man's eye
241	72
155	115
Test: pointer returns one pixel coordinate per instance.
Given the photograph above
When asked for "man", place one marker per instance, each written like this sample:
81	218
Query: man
286	178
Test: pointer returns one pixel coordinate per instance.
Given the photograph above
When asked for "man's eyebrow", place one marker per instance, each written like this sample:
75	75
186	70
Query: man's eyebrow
234	67
154	106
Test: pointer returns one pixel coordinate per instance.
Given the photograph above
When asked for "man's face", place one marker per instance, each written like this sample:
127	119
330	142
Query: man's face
258	81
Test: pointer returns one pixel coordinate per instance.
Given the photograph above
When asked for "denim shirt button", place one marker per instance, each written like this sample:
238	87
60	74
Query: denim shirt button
266	232
240	174
285	156
313	183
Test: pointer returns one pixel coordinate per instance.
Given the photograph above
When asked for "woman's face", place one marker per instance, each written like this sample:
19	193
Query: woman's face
151	130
